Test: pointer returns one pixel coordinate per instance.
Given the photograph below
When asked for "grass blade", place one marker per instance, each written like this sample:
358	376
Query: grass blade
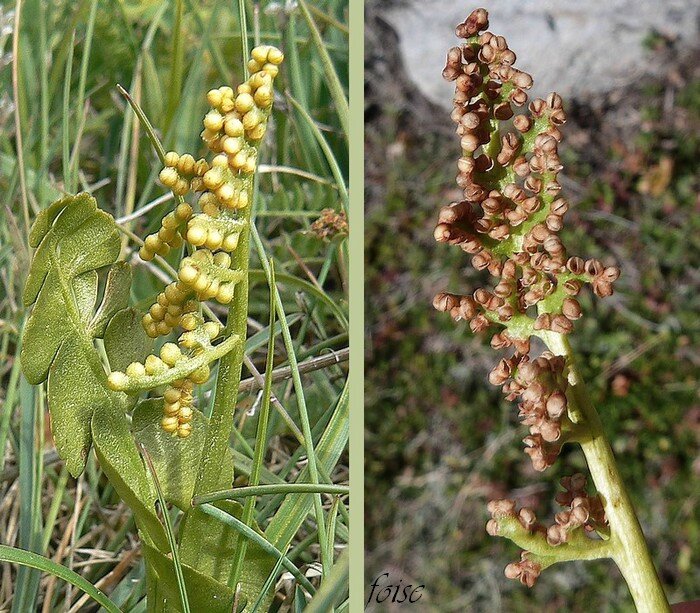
8	407
44	103
339	99
333	589
309	288
55	507
301	402
175	81
309	149
330	158
329	19
30	500
18	122
73	166
267	586
299	600
29	559
168	530
86	54
150	131
215	51
264	490
243	22
251	534
293	512
333	517
66	115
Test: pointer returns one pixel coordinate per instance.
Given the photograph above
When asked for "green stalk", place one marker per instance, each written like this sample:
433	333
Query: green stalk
627	543
18	116
176	70
243	23
334	85
229	378
333	589
326	555
44	105
260	439
221	421
65	123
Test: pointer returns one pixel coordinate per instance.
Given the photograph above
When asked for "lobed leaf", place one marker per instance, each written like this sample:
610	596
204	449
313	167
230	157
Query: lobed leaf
72	236
121	462
74	390
74	239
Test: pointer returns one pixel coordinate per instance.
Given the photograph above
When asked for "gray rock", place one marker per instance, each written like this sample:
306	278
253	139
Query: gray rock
576	48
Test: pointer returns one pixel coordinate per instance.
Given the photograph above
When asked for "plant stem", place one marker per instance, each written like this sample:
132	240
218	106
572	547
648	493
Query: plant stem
221	420
627	542
260	439
229	378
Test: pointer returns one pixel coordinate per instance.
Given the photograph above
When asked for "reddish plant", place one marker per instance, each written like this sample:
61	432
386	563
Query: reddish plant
509	222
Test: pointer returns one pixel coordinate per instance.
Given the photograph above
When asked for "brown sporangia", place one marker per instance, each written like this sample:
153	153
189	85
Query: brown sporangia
508	221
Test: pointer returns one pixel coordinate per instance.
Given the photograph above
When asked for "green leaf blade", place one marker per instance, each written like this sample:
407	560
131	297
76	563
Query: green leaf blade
81	238
115	299
43	335
73	392
175	459
203	592
74	241
219	542
125	340
120	460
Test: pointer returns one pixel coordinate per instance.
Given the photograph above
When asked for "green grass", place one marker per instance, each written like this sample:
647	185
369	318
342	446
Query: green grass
73	130
440	441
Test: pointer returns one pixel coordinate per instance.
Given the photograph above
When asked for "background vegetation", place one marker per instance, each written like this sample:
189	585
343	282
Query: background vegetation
65	128
440	441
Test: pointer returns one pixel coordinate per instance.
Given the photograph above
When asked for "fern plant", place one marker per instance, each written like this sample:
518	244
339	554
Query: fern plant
509	222
97	355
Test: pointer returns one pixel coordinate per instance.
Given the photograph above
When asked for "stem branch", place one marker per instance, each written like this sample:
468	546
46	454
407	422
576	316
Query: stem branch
627	543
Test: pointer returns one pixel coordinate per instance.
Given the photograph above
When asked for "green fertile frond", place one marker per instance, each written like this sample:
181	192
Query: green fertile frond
233	129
